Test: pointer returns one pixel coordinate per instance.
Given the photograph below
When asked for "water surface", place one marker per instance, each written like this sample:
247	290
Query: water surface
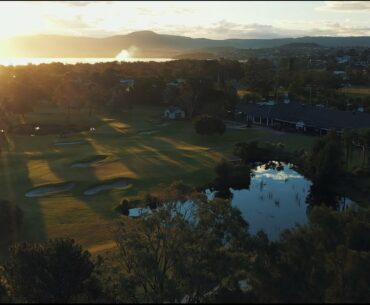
275	200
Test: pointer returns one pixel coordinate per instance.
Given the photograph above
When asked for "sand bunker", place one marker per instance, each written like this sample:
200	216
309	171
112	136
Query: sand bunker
70	143
106	186
50	189
89	162
143	132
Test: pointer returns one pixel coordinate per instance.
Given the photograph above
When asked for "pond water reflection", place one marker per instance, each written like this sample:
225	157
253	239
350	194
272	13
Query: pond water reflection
275	199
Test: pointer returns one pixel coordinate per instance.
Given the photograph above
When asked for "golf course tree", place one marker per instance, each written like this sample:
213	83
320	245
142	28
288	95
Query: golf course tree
5	120
181	251
11	217
123	207
326	260
248	151
119	98
57	271
326	160
93	96
364	141
348	138
209	125
69	94
326	167
188	97
3	294
21	96
260	75
231	176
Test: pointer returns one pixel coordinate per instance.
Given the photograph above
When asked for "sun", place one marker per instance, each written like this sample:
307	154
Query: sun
124	54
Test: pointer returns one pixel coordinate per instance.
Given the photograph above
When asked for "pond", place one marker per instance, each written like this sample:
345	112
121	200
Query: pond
275	199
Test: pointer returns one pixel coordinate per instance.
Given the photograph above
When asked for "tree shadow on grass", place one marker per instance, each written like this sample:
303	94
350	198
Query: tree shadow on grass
15	182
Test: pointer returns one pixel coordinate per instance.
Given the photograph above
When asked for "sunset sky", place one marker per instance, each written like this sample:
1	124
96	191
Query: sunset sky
218	20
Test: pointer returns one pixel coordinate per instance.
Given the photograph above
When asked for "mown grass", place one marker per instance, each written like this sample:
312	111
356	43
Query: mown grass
151	162
356	91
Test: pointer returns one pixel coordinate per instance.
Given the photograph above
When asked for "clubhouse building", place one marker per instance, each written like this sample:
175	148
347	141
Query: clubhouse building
301	117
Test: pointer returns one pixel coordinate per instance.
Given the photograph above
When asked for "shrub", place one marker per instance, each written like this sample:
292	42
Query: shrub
11	217
151	201
208	125
123	207
56	271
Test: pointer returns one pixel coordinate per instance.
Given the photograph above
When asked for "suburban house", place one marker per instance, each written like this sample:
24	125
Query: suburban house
341	74
174	112
301	117
128	83
343	59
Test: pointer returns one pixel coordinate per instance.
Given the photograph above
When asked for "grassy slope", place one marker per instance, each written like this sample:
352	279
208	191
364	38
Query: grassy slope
355	92
174	153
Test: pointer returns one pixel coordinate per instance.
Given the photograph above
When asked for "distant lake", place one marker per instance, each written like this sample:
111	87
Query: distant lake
71	61
46	60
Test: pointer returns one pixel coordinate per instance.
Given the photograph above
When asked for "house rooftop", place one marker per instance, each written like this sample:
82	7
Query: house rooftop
317	117
173	109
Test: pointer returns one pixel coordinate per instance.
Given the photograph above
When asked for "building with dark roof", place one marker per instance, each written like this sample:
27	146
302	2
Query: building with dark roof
302	117
174	112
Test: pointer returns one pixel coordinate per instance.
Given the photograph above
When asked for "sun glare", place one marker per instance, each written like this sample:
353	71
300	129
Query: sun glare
123	55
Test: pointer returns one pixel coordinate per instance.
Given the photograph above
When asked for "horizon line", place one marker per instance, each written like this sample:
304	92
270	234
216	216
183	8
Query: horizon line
179	35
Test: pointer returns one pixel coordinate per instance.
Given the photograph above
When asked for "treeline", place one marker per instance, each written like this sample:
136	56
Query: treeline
209	88
199	252
98	85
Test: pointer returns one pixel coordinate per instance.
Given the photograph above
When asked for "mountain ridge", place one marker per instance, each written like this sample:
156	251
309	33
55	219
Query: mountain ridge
152	44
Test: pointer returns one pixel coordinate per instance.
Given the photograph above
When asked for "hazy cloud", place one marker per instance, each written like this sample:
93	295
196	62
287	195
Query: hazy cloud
203	20
83	3
359	6
225	29
75	23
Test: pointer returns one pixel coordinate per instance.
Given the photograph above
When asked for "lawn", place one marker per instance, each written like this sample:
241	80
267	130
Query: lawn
356	91
151	161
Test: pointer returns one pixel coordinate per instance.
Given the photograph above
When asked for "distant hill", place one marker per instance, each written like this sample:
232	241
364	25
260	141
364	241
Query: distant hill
295	45
150	44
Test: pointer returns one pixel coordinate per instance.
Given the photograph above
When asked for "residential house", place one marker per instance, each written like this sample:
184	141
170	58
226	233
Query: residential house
127	83
174	112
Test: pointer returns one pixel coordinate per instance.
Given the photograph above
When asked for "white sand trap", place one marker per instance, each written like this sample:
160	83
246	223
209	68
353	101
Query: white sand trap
50	189
105	186
70	143
84	164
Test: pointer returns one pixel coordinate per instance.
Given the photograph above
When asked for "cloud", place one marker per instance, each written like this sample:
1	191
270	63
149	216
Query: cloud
329	28
339	29
83	3
75	23
225	29
353	6
228	30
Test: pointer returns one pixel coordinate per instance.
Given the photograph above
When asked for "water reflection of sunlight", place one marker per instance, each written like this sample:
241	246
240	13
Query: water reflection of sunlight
276	175
271	171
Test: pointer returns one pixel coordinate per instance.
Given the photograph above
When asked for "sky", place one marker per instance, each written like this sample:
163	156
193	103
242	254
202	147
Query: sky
216	20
